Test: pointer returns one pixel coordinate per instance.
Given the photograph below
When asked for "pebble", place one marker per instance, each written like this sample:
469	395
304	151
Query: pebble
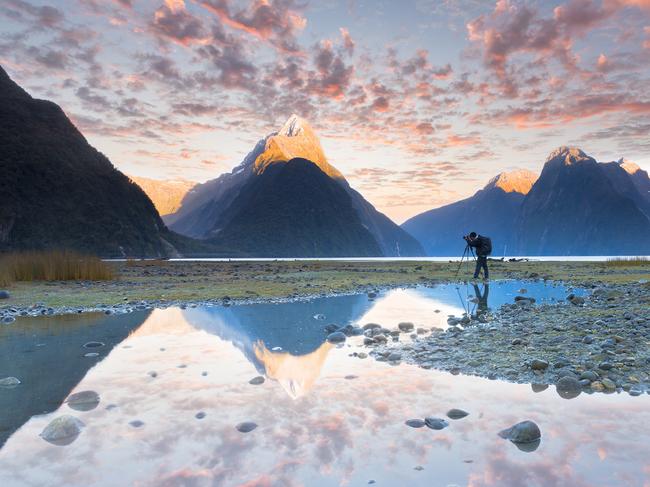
246	427
436	423
537	364
136	423
93	344
199	415
9	382
568	387
456	414
83	401
336	337
406	326
415	423
4	294
256	381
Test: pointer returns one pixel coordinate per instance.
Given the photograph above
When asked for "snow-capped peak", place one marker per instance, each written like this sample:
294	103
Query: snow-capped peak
293	126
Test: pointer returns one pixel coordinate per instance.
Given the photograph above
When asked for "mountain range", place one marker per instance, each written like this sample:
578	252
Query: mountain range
285	199
576	206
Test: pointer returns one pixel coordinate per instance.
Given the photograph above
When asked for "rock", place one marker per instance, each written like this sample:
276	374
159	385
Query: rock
62	430
136	423
605	366
319	317
362	354
577	300
152	373
256	381
199	415
436	423
525	298
608	384
83	401
597	386
394	356
590	375
568	387
9	382
415	423
380	339
370	326
538	387
93	344
246	427
456	414
406	327
91	355
4	294
368	341
588	339
7	320
331	328
372	295
524	433
537	364
336	337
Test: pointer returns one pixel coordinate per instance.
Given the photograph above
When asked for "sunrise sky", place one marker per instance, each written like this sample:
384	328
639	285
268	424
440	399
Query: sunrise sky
418	103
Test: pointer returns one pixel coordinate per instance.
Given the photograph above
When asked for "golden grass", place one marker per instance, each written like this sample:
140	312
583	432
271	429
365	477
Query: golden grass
52	265
627	261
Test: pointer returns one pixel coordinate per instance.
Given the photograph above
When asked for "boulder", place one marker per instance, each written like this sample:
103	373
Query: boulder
568	387
526	435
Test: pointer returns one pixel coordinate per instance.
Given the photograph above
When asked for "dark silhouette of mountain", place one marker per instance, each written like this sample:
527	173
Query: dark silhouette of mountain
205	211
294	209
639	177
575	209
624	183
57	191
490	211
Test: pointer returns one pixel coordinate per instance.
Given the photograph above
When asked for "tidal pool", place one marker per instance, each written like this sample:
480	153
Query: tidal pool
176	406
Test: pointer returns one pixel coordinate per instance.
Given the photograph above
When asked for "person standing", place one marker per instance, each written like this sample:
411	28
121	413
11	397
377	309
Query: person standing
483	246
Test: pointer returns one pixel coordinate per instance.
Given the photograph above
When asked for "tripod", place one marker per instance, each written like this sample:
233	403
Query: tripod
466	253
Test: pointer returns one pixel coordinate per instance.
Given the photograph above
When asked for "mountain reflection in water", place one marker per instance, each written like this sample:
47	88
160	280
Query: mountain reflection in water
325	418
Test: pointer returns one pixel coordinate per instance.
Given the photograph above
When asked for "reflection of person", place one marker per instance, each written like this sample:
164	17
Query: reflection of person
482	304
483	246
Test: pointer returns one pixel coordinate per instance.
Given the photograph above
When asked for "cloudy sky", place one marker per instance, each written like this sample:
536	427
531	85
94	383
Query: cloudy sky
417	102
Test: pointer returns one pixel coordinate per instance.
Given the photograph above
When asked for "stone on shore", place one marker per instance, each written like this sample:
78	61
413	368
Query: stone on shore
456	414
83	401
62	430
336	337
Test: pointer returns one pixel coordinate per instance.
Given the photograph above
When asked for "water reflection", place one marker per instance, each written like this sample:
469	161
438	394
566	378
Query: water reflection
316	427
47	355
296	373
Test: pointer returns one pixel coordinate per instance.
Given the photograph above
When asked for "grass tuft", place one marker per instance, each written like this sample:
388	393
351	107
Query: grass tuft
52	265
627	261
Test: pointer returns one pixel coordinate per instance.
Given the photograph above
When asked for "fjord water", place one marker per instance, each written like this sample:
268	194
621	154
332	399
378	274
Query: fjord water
324	417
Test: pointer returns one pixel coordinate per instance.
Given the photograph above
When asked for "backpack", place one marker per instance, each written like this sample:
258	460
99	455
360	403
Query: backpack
486	245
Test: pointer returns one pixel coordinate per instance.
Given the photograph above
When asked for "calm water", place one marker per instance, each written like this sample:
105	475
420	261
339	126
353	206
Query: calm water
325	418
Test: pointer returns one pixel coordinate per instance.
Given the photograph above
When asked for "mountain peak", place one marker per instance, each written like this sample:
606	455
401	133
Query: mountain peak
629	166
293	127
567	155
296	139
518	181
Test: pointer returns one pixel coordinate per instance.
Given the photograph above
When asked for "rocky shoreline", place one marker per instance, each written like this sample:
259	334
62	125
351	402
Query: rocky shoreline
599	343
9	313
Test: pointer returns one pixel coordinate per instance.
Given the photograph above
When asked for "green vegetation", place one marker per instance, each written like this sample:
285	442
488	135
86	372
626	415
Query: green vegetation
201	281
53	265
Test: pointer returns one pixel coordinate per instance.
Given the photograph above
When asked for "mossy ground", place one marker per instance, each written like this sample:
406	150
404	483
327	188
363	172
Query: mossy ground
200	281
